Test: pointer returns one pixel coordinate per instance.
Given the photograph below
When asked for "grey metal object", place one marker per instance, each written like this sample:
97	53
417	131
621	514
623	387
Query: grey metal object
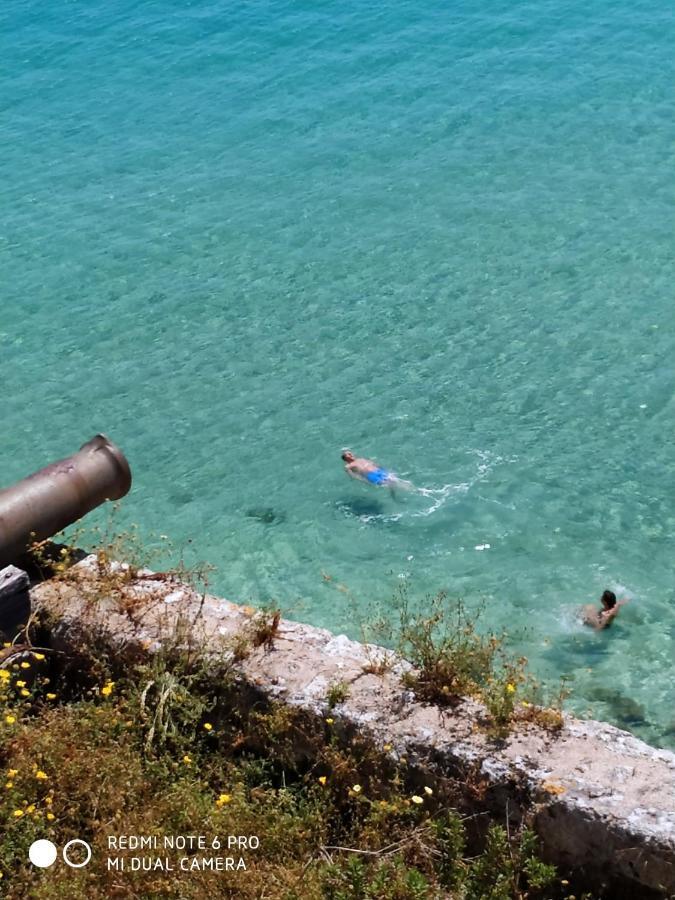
48	501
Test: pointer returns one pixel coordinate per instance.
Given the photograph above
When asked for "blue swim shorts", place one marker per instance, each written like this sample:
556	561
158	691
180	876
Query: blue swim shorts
378	476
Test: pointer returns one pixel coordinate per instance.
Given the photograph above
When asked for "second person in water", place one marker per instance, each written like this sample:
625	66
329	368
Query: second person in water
601	618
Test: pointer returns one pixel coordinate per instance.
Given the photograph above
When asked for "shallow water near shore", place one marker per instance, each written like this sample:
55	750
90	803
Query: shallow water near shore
238	240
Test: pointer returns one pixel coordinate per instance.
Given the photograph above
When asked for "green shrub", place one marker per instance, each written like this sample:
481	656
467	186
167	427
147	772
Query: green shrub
453	659
337	693
171	746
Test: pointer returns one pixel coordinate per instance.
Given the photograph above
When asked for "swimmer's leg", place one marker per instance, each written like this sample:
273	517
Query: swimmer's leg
395	483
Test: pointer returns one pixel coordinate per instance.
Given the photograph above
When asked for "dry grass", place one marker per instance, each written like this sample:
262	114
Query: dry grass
169	746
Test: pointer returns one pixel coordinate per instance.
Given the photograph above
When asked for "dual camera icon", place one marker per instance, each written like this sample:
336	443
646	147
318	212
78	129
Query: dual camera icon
75	853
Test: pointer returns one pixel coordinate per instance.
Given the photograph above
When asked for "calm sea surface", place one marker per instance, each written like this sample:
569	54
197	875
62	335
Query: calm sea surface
239	237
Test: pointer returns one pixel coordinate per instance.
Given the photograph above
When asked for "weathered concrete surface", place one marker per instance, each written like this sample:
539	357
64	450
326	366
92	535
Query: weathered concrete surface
602	801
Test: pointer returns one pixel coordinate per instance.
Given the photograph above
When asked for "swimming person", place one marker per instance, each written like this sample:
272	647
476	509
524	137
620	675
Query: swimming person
369	471
601	618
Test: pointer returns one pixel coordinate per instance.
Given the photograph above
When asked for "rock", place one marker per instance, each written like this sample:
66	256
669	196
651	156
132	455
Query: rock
625	710
14	601
266	515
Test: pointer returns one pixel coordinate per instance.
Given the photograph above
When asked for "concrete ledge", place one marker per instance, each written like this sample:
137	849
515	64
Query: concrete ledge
602	801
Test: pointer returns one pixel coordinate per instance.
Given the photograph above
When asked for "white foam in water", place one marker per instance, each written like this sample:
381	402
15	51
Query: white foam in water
570	618
439	495
380	517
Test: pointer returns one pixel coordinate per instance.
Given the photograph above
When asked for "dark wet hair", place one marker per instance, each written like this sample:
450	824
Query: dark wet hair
346	453
608	597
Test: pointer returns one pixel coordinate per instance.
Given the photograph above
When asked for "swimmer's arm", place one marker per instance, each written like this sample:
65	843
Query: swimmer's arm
611	613
353	472
606	617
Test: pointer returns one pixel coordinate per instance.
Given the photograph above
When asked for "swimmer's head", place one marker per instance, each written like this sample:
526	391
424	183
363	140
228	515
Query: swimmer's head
608	599
348	456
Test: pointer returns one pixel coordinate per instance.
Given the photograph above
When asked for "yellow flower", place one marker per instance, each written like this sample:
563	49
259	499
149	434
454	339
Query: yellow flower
50	816
5	674
12	772
357	788
187	760
322	779
25	665
107	688
428	791
387	748
18	813
41	776
49	801
525	704
10	784
21	684
416	799
223	799
329	721
511	688
31	808
39	655
208	726
51	696
10	720
25	693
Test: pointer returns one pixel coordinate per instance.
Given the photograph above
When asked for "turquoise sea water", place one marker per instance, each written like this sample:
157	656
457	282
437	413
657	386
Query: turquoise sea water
239	237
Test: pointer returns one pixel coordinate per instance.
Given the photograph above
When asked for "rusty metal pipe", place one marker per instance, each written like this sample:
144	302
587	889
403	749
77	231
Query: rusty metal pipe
48	501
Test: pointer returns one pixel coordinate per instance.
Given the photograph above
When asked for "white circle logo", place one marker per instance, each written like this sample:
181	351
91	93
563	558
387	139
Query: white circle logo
42	854
75	841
